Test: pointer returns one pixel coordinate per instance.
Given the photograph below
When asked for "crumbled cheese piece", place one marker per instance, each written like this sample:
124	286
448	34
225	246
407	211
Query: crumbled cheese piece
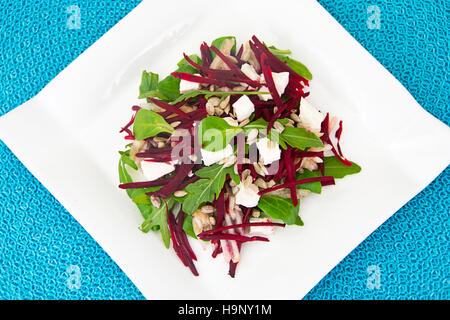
243	108
262	230
155	170
250	72
186	86
247	195
310	117
280	79
269	150
211	157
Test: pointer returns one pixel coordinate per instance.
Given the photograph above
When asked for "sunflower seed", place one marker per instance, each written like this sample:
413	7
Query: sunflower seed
245	174
161	144
207	209
278	126
212	220
155	201
210	109
258	169
180	193
229	161
256	213
295	117
175	124
243	123
218	111
224	103
261	183
271	183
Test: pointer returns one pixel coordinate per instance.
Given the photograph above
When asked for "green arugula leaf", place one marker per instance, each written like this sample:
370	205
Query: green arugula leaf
276	51
208	94
183	62
301	138
208	188
215	133
281	209
149	86
148	124
153	219
170	86
188	227
315	187
273	135
158	217
297	66
127	160
333	167
218	44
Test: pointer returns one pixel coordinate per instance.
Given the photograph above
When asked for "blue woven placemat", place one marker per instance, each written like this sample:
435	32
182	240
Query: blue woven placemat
46	254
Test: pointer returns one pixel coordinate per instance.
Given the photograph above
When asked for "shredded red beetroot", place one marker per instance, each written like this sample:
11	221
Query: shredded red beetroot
193	78
326	139
289	162
230	236
206	55
169	107
258	48
178	245
338	138
328	180
271	86
222	77
243	225
145	184
174	183
182	235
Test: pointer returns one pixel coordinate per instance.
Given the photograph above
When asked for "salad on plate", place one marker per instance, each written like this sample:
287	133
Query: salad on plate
225	148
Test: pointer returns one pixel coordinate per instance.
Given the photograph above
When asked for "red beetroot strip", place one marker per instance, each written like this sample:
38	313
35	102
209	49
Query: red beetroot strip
229	63
182	235
221	75
289	162
326	139
231	236
178	245
174	183
206	55
145	184
243	225
328	180
271	86
169	107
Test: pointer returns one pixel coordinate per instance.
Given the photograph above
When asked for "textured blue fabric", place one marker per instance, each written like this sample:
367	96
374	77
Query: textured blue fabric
46	254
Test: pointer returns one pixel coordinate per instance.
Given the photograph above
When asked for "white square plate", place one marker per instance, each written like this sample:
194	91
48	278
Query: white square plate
67	136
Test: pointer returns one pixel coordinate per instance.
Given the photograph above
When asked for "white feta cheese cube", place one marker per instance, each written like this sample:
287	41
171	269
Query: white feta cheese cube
155	170
280	79
311	117
186	86
264	97
269	150
247	195
250	72
211	157
261	230
243	108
